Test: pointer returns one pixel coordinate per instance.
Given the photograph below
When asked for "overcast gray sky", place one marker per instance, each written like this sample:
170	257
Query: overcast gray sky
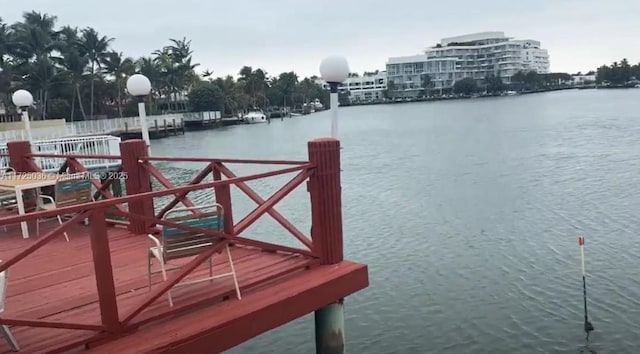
284	35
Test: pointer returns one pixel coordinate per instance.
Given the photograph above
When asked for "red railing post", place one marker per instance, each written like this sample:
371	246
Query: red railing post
19	158
326	203
103	271
223	197
137	180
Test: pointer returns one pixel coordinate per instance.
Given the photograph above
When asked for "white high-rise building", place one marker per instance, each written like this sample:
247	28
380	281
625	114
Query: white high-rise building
474	55
366	88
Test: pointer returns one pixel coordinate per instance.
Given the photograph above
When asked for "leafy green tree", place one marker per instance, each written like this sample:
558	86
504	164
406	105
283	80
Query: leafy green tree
206	97
389	93
532	80
518	78
618	73
343	98
466	86
425	83
494	84
77	74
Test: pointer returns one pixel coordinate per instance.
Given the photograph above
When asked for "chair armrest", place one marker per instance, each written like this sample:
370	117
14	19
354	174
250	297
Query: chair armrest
155	240
46	197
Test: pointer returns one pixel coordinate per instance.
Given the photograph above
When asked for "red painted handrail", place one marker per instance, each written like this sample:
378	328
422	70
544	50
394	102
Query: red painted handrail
130	198
77	156
224	160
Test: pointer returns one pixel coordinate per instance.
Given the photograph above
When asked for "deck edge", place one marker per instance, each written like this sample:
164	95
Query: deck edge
257	313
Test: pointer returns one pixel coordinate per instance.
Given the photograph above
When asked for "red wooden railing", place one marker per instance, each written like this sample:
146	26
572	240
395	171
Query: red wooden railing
322	172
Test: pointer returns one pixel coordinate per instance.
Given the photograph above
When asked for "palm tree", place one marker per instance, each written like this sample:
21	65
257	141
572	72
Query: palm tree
74	65
31	44
120	68
4	39
178	70
95	47
246	78
255	83
5	73
207	73
149	67
233	97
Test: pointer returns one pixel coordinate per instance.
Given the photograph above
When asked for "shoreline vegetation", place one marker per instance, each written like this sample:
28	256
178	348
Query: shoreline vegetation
77	74
617	75
480	95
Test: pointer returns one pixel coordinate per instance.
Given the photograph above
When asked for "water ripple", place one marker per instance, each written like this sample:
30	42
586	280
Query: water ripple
467	214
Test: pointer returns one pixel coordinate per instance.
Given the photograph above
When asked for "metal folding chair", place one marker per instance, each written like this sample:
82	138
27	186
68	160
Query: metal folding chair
6	332
176	243
71	189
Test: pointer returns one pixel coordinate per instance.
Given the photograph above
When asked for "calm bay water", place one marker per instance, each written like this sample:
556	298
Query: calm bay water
468	213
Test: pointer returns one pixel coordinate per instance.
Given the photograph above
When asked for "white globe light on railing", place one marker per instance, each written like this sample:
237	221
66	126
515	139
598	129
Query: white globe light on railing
23	100
139	86
334	70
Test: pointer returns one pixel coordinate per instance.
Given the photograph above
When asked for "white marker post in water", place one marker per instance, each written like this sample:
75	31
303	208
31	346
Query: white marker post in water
588	327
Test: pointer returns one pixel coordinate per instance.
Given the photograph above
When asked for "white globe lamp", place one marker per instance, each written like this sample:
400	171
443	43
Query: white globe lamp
23	100
334	70
139	86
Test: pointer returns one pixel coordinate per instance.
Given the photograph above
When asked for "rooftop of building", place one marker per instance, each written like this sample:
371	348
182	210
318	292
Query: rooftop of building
419	58
473	37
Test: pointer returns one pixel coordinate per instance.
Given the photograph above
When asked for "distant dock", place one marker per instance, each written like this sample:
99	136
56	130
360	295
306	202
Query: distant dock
157	130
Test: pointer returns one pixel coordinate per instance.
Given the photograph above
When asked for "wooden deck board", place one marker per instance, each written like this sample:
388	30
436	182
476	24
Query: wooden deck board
57	283
232	322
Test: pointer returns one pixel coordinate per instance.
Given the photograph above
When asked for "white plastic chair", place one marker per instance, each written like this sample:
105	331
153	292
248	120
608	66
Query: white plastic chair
70	190
177	243
7	198
6	332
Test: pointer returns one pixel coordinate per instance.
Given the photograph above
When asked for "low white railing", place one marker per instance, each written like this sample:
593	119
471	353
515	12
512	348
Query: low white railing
87	145
105	126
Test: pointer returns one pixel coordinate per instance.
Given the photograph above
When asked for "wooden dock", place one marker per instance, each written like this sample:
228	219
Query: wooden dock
158	130
202	120
92	294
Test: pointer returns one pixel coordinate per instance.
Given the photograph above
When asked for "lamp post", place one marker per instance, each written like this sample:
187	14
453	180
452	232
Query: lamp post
334	70
23	100
139	86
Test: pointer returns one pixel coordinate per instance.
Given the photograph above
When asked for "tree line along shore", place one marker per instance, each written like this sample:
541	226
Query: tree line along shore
78	74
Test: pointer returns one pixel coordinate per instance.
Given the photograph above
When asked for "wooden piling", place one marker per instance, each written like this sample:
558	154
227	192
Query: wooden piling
326	235
326	202
138	181
19	156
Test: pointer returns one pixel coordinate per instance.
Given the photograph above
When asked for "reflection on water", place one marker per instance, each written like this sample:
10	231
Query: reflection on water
467	213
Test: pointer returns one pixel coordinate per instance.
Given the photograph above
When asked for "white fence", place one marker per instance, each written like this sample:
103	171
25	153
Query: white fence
103	126
88	145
